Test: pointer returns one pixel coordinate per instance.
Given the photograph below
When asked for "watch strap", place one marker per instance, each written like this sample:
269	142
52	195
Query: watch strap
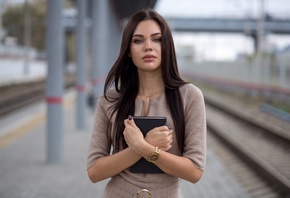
155	154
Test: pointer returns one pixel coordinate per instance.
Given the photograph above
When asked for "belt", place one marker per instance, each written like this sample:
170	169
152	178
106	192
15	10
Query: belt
141	193
138	192
145	193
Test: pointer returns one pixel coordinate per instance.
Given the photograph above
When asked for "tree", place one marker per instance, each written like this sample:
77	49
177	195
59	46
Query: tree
13	22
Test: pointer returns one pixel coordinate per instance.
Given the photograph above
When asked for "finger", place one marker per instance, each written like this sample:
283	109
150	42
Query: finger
125	135
161	128
166	148
169	139
127	122
131	121
169	134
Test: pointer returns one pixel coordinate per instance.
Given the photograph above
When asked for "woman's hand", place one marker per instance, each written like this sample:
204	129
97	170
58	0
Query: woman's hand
161	137
133	136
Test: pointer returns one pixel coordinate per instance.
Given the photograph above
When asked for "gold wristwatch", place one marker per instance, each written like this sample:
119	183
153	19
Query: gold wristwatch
153	157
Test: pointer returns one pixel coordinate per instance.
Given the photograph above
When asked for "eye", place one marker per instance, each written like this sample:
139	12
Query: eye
137	41
156	40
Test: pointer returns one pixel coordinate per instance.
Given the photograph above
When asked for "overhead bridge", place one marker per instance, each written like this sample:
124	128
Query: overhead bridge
247	26
226	25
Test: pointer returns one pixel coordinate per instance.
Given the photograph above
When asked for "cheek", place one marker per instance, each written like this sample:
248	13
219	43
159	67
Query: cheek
134	56
134	60
157	48
134	52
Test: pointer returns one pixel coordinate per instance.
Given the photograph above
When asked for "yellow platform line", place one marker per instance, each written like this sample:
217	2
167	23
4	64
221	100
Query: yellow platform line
28	126
21	130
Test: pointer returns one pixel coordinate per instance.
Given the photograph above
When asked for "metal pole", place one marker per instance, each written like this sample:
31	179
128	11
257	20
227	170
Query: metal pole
260	44
261	28
27	36
261	49
99	45
81	65
282	74
1	21
104	35
54	82
95	66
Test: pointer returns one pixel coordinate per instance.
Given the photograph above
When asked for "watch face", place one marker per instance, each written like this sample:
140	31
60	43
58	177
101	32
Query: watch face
154	157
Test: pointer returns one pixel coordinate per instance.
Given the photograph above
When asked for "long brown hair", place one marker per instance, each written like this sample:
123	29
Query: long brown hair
124	76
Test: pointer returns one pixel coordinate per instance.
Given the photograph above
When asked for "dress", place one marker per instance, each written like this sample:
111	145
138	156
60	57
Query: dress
162	185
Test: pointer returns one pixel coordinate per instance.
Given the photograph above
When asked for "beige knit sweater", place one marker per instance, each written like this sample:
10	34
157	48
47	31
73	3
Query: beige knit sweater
127	184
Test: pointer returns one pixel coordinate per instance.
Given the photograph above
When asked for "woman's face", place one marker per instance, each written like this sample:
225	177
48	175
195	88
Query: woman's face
145	48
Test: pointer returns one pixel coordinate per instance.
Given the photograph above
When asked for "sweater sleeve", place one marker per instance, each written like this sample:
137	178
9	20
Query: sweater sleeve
100	142
195	126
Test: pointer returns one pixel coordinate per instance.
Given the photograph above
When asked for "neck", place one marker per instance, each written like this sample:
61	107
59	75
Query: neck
146	95
150	87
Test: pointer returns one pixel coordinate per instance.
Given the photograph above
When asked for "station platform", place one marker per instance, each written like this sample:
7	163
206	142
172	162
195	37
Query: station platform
24	172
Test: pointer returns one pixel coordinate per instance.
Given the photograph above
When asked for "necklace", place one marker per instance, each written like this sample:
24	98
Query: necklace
147	101
151	96
146	107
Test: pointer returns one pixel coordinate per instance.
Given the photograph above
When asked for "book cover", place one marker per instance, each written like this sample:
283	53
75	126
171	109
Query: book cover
145	124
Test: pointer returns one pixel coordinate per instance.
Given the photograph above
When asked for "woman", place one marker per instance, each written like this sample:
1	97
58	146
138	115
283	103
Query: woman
147	82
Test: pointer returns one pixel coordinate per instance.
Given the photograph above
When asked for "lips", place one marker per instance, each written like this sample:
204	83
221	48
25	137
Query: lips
148	57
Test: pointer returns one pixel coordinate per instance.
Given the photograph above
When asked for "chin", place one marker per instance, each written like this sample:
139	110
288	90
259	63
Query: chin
149	68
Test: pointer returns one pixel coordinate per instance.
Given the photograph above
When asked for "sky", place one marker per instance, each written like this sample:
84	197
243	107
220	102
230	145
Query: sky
223	46
219	8
216	46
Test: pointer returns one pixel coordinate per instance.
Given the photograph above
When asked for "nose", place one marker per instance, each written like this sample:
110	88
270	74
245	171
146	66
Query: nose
148	46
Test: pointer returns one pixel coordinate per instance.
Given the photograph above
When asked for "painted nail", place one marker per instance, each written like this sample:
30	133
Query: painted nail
130	117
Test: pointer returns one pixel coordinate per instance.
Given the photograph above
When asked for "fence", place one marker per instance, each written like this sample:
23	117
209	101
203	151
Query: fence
268	76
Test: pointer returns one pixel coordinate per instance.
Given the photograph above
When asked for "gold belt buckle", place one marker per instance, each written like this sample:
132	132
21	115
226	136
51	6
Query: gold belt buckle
145	191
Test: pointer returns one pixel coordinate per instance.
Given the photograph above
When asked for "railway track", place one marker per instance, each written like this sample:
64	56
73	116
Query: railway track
17	96
258	156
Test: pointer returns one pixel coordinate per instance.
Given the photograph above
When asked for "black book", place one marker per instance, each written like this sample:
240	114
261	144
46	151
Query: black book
145	124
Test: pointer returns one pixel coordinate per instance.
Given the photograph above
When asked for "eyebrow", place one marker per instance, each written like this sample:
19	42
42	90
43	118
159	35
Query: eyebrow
140	35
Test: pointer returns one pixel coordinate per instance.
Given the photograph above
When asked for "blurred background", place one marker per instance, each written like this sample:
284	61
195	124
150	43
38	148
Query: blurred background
54	57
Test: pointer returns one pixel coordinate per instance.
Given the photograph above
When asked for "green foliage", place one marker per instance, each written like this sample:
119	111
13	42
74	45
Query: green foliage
14	20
